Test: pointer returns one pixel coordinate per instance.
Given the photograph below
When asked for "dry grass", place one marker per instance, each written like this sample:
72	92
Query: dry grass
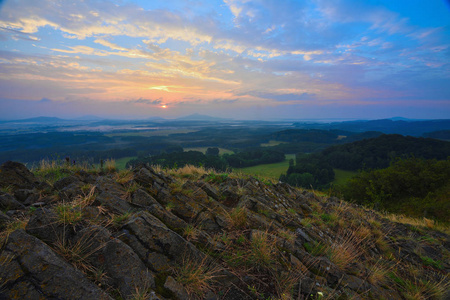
285	283
110	165
190	171
191	232
378	273
78	253
419	222
68	213
85	200
196	277
238	218
10	228
124	176
346	249
129	191
287	235
143	292
262	250
418	289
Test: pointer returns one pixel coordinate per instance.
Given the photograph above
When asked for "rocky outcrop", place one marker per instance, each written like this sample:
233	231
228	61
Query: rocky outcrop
144	234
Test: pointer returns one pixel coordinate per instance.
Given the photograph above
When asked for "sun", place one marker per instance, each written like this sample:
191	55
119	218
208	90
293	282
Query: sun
163	106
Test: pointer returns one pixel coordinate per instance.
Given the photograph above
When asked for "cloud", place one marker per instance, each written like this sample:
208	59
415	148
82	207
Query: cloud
248	53
147	101
283	97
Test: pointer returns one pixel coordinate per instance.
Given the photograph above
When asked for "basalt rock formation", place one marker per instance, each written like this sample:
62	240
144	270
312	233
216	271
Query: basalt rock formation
192	234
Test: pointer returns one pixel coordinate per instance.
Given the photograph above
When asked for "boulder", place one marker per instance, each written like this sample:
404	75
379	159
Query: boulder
176	288
66	181
44	225
121	265
8	202
4	219
143	199
144	233
31	270
15	175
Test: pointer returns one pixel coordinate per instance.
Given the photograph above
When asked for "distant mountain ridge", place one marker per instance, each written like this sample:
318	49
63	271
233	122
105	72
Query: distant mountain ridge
388	126
41	120
199	117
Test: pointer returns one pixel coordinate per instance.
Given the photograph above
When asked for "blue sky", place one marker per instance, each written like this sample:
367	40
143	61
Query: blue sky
266	59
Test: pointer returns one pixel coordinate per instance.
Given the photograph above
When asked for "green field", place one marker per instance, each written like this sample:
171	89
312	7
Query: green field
342	176
271	171
272	143
203	150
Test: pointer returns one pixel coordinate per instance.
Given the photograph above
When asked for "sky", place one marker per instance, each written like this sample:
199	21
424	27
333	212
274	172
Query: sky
241	59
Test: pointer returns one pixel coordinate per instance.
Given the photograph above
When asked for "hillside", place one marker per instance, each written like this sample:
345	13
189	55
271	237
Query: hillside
76	233
378	152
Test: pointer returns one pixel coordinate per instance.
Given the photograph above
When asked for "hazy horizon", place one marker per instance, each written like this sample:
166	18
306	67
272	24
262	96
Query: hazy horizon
245	60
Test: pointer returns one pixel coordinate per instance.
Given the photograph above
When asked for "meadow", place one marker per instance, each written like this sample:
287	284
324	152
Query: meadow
270	171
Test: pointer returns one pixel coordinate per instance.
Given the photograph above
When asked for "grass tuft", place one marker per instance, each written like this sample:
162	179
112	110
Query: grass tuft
197	277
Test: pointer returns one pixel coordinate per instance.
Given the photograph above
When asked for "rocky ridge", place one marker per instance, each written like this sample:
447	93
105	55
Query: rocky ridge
73	233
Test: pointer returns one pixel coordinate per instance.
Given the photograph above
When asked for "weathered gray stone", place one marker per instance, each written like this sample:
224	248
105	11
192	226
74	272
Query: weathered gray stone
177	288
113	203
145	233
66	181
7	202
36	267
4	219
143	199
301	234
15	175
44	224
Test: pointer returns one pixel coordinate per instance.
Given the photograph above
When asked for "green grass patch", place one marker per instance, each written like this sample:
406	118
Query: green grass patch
271	171
342	176
272	143
121	162
203	150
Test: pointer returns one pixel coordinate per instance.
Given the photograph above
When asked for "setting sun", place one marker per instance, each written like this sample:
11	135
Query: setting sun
163	106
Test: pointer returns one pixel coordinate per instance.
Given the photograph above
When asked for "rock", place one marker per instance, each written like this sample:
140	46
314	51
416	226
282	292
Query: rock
113	203
71	191
167	217
306	209
143	199
356	284
210	190
146	177
8	202
32	271
15	175
206	222
229	196
122	266
144	233
110	186
44	225
66	181
301	234
176	288
4	219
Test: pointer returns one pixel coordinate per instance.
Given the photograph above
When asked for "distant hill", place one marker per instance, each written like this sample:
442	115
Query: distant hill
41	120
388	126
155	119
377	153
89	118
